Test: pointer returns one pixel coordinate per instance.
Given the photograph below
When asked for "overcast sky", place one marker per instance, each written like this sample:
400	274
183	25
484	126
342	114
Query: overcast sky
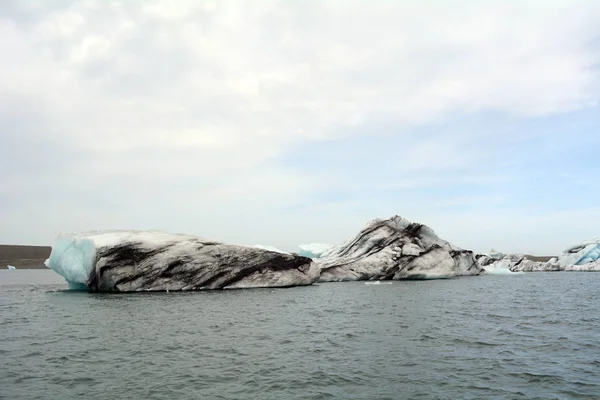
288	122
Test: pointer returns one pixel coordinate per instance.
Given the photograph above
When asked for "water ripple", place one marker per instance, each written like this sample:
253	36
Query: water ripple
490	337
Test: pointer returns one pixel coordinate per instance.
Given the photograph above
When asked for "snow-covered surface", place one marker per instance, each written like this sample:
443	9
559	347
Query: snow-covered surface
269	248
314	250
395	248
150	260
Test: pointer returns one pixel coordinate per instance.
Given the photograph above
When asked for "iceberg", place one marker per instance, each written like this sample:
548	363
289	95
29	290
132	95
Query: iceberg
11	267
582	254
583	257
496	264
394	249
314	250
505	264
128	261
495	254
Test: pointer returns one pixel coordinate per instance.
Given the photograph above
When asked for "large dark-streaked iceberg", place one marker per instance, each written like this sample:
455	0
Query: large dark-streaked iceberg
128	261
394	249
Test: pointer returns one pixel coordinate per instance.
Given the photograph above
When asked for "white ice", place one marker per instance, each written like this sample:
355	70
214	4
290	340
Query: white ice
269	248
501	267
589	267
11	267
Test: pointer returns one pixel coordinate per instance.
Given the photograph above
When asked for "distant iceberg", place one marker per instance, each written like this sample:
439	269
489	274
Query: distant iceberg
582	257
394	249
127	261
314	250
11	267
584	253
500	264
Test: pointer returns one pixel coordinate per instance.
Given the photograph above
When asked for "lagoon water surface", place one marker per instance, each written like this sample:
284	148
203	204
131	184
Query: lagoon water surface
522	336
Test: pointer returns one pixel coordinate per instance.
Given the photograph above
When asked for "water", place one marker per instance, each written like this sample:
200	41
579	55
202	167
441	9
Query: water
524	336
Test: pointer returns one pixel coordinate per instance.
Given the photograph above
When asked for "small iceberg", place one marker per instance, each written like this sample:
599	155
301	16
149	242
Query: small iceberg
500	268
378	283
11	267
314	250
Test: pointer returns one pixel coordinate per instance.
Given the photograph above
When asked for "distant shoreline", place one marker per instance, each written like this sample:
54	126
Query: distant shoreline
24	257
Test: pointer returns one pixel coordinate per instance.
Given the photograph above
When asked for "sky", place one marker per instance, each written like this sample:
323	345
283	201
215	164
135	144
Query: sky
289	122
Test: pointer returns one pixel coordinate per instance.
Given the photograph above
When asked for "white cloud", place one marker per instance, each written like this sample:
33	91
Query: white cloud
208	92
273	69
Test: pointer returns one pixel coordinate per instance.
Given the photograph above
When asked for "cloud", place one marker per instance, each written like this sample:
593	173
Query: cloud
182	115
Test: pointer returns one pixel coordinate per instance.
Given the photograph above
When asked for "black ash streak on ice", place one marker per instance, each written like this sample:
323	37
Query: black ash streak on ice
126	261
191	264
386	249
396	249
